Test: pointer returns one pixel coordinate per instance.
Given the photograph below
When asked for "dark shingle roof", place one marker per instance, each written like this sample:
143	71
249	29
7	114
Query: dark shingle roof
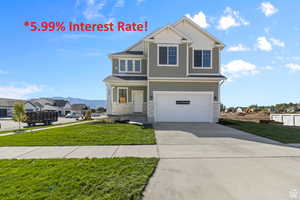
128	53
78	107
60	103
125	78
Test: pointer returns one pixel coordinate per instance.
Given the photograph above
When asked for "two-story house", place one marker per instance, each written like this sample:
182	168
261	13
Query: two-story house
171	75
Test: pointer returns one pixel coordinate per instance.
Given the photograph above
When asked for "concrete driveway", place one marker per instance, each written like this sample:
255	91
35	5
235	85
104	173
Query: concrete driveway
210	161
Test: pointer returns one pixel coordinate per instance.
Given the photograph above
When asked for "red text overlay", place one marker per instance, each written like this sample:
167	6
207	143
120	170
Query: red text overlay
85	27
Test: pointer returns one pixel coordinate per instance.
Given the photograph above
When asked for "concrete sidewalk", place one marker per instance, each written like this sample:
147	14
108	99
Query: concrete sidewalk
78	151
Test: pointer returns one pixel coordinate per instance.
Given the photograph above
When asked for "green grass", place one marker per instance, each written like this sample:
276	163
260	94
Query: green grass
75	179
283	134
36	127
93	133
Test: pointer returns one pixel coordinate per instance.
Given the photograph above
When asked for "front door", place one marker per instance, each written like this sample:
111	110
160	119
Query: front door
138	99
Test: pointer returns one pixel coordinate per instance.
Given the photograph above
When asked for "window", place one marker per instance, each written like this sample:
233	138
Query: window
137	65
122	65
132	65
122	95
202	58
197	58
167	55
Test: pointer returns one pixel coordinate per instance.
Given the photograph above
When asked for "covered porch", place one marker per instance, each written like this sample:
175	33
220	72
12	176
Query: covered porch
126	96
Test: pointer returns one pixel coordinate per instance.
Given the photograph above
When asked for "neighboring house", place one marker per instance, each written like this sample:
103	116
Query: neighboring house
171	75
7	106
239	110
64	107
78	108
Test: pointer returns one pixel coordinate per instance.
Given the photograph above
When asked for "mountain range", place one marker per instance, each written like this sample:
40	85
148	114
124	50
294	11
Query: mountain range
88	102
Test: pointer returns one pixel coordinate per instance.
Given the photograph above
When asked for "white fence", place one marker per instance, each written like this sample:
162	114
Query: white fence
287	119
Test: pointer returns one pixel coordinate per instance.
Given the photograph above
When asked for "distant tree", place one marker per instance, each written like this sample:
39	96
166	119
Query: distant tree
88	115
222	107
101	110
19	114
93	110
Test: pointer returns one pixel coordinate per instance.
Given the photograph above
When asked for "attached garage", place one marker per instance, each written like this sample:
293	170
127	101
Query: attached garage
182	106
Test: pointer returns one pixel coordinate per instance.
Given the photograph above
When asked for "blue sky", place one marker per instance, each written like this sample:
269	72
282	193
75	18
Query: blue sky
261	58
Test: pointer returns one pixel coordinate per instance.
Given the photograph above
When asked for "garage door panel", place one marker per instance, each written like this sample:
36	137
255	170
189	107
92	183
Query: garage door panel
183	107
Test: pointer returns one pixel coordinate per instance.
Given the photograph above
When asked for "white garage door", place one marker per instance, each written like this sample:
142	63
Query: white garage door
183	106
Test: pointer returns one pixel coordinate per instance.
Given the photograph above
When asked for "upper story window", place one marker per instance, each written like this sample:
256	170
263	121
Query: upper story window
167	55
202	59
130	65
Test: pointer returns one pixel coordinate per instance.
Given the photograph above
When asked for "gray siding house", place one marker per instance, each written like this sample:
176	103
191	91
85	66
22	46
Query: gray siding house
171	75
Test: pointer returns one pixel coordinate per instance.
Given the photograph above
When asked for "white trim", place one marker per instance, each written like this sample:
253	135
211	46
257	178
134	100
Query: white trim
139	75
177	55
126	65
111	56
187	60
210	36
205	74
132	83
184	92
126	88
148	83
201	68
185	79
168	26
155	93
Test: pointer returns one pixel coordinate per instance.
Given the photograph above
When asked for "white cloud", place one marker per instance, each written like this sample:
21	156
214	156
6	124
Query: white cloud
268	67
239	47
199	19
263	44
277	42
120	3
237	68
18	92
231	18
3	72
140	1
293	66
268	9
93	8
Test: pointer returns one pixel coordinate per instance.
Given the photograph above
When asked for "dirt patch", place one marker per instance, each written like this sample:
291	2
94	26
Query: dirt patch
253	117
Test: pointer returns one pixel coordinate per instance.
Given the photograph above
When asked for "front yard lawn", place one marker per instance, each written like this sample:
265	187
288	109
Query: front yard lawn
36	127
93	133
280	133
68	179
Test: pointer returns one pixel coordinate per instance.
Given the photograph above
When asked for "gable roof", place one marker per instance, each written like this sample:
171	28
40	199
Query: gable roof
185	18
60	102
180	33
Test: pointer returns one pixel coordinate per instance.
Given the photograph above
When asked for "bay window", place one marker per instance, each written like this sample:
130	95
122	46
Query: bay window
130	65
